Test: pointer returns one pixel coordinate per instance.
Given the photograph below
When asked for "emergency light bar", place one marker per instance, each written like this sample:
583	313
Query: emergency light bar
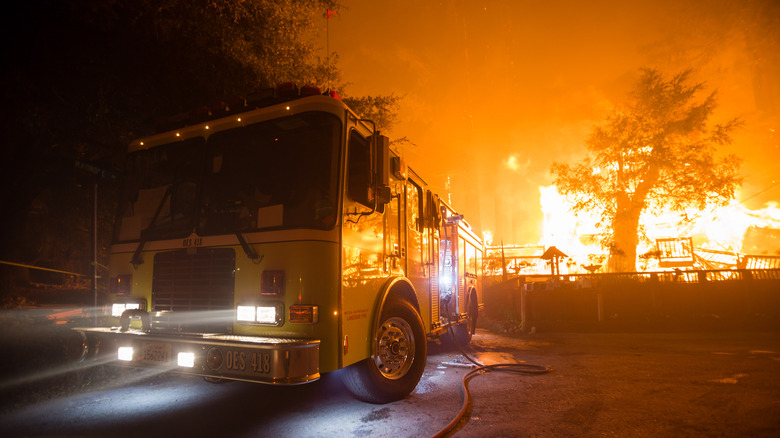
237	104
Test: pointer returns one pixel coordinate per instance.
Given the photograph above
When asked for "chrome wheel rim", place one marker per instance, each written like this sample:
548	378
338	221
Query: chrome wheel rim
394	349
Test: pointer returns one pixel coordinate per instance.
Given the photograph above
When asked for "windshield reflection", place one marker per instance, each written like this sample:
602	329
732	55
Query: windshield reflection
160	193
277	174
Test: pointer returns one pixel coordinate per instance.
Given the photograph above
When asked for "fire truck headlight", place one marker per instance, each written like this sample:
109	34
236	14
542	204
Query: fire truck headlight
246	313
186	359
125	353
270	313
266	315
118	308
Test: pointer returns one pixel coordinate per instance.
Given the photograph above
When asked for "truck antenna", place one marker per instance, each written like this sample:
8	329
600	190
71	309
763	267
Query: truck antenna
328	14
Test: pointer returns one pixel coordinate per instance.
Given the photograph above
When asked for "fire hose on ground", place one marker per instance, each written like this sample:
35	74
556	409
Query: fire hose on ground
519	368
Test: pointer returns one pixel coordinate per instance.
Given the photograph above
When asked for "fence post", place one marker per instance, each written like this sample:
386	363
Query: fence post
523	316
600	306
523	307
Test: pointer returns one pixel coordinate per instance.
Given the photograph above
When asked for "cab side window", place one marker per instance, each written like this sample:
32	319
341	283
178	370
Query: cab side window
414	206
359	169
471	259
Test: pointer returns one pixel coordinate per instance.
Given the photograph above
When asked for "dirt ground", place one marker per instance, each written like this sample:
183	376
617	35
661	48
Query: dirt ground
602	384
631	384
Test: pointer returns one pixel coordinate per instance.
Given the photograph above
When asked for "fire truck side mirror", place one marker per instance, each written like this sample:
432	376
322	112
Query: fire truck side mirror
383	194
381	154
399	168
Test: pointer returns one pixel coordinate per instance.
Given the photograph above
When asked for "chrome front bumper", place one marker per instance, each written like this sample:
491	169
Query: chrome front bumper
259	359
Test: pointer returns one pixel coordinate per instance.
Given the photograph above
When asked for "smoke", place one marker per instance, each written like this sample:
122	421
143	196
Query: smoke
498	90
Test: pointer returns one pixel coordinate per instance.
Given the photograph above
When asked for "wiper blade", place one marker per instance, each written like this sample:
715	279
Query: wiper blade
248	249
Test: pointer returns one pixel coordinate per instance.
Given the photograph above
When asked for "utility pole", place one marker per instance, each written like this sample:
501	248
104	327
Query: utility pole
107	175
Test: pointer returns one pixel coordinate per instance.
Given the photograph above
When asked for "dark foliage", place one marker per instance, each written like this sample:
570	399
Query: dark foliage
83	78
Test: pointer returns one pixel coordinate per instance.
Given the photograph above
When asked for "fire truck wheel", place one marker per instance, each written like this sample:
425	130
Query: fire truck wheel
398	357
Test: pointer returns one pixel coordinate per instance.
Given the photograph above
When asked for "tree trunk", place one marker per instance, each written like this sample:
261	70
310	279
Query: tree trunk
622	254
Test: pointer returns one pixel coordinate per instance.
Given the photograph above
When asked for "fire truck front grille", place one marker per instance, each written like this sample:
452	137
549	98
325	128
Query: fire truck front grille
196	283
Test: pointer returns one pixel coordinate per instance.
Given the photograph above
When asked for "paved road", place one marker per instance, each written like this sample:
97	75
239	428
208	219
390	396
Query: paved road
706	384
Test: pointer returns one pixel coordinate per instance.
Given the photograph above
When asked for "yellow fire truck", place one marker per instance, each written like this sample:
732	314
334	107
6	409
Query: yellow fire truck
277	238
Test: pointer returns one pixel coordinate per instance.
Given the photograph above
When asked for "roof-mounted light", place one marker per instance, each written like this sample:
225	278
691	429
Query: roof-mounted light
308	90
261	98
218	107
200	112
235	102
287	89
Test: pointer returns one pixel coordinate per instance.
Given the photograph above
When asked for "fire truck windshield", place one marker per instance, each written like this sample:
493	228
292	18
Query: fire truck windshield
281	173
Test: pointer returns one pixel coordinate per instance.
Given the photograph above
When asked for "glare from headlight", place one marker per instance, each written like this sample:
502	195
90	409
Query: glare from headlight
246	313
125	354
258	314
266	315
118	308
186	359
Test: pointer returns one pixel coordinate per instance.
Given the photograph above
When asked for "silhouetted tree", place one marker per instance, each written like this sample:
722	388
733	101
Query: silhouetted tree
657	151
382	109
83	78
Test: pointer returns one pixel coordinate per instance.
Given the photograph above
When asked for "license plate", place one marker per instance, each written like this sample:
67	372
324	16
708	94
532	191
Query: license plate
248	362
156	352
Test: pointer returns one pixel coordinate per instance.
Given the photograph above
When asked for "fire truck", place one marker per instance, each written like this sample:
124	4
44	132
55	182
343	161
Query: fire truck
278	237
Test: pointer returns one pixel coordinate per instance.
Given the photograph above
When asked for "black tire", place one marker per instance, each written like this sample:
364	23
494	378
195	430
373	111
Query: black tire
398	354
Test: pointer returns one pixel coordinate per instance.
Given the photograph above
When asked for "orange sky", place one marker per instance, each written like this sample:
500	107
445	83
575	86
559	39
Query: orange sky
495	91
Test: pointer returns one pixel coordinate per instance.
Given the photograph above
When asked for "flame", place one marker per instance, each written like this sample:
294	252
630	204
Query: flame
720	228
566	231
487	237
716	228
511	163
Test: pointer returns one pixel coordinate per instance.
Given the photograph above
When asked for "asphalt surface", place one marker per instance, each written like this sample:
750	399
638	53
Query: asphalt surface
602	384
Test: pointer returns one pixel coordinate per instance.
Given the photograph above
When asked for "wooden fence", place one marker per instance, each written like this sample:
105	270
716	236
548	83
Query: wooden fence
682	300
